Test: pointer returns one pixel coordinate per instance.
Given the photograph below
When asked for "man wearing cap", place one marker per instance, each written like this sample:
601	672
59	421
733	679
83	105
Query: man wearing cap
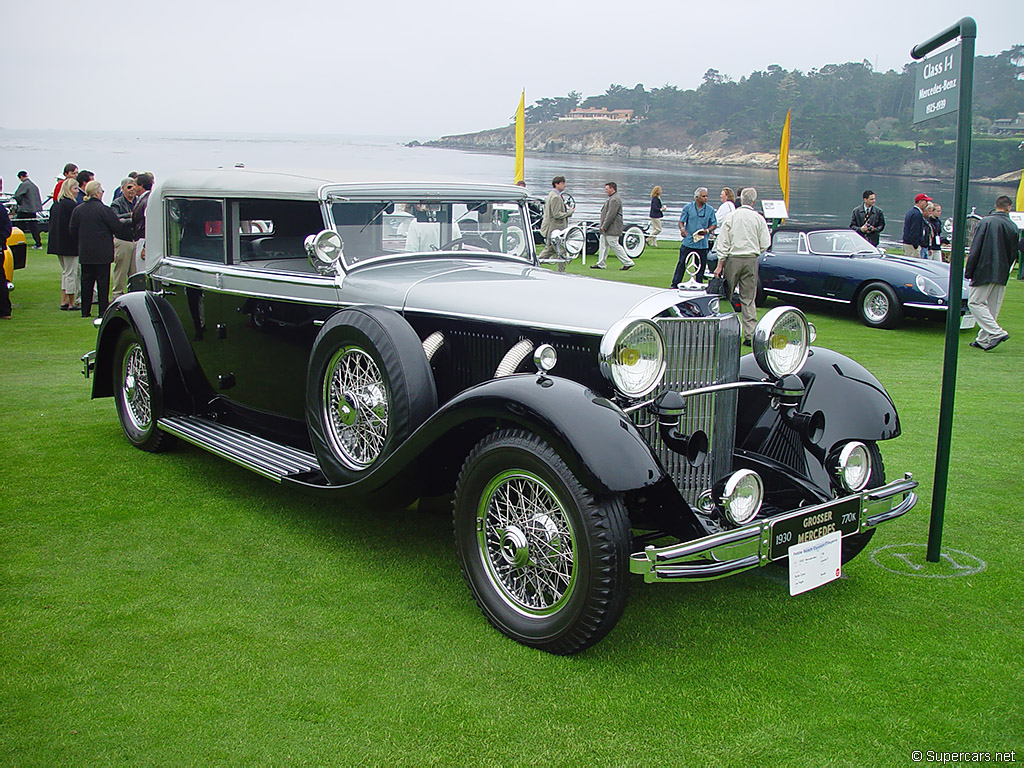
914	234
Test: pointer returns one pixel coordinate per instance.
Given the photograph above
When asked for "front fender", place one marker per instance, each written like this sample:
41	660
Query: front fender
175	371
855	404
589	432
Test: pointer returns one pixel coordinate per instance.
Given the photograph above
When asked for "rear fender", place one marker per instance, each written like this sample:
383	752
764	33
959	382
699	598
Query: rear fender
176	375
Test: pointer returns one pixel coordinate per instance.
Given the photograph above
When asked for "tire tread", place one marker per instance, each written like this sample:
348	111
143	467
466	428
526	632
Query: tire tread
609	520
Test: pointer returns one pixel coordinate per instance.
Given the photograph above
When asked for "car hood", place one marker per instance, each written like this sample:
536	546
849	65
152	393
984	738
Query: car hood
503	291
927	267
936	270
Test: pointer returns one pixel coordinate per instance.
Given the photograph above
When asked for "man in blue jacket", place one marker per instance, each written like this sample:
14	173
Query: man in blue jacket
914	234
696	223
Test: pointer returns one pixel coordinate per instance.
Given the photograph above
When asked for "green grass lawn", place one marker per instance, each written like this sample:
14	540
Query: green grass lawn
177	610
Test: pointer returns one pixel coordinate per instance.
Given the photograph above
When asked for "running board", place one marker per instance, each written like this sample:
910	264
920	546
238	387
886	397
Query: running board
265	457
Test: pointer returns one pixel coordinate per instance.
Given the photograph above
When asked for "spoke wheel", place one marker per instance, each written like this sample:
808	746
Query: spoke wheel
633	242
136	396
879	307
368	386
355	403
545	560
527	543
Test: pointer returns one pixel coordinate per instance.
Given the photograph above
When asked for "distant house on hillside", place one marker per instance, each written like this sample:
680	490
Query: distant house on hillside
599	113
1008	126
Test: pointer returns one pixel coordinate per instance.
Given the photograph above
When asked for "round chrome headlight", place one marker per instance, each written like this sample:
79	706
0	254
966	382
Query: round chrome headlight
574	241
545	357
853	466
742	496
324	249
632	356
781	342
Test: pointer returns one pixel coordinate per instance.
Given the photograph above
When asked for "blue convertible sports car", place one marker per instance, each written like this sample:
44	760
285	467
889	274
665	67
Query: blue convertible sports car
840	266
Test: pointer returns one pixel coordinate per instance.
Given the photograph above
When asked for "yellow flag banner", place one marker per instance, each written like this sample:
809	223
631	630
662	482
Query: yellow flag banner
1020	194
784	161
521	139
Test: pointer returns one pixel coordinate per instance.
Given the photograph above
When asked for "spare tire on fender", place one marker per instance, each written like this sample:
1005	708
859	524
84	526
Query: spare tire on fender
368	387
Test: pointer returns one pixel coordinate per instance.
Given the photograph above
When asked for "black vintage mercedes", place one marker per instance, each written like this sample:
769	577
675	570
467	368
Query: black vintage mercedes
375	341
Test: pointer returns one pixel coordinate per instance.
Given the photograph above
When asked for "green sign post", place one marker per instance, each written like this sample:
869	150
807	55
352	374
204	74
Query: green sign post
934	77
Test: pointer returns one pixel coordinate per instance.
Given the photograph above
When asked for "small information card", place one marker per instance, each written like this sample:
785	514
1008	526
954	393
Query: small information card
814	563
774	209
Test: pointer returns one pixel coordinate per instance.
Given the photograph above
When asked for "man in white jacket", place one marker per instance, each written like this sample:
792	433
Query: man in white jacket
742	238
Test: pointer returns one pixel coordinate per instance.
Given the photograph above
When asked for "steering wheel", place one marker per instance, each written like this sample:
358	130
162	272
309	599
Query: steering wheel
465	241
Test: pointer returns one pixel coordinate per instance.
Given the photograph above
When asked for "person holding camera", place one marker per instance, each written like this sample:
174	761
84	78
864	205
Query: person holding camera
696	223
868	219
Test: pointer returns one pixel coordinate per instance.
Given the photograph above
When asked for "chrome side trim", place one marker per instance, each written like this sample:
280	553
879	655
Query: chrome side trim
518	322
915	305
231	280
806	295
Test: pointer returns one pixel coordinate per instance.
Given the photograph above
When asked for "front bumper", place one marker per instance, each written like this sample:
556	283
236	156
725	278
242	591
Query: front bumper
764	541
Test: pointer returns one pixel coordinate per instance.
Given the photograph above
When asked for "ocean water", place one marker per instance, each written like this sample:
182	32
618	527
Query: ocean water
815	198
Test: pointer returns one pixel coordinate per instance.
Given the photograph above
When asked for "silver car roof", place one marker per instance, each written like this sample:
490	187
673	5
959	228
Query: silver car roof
303	185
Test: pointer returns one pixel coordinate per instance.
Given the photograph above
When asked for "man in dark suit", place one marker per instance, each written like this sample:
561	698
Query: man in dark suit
95	226
868	219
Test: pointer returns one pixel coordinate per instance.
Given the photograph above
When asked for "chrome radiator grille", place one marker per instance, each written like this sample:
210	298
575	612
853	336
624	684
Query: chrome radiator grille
699	351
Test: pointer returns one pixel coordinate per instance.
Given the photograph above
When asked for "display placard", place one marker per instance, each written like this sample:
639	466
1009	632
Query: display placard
815	563
1017	217
774	209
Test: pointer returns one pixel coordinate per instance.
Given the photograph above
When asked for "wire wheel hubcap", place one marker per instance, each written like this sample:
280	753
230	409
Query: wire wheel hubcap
355	405
135	388
876	306
527	543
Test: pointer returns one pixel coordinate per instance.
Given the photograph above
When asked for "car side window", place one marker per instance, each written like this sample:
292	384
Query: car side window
785	242
195	229
272	233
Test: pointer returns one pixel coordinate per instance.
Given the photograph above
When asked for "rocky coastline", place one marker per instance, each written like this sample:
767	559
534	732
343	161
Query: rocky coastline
641	141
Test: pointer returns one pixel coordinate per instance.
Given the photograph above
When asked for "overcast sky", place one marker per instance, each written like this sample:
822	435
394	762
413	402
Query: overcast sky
405	68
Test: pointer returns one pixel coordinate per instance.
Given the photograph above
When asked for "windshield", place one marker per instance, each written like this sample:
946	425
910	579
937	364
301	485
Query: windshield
379	228
839	242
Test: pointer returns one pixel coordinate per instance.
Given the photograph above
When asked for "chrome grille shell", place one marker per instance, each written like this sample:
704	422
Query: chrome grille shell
699	352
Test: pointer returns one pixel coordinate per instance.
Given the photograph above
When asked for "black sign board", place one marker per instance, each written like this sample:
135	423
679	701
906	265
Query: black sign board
937	85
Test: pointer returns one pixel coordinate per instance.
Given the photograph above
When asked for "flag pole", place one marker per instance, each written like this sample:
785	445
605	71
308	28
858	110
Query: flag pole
520	172
784	160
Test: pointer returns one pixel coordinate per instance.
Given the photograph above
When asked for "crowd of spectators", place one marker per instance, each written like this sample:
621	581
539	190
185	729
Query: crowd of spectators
98	245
